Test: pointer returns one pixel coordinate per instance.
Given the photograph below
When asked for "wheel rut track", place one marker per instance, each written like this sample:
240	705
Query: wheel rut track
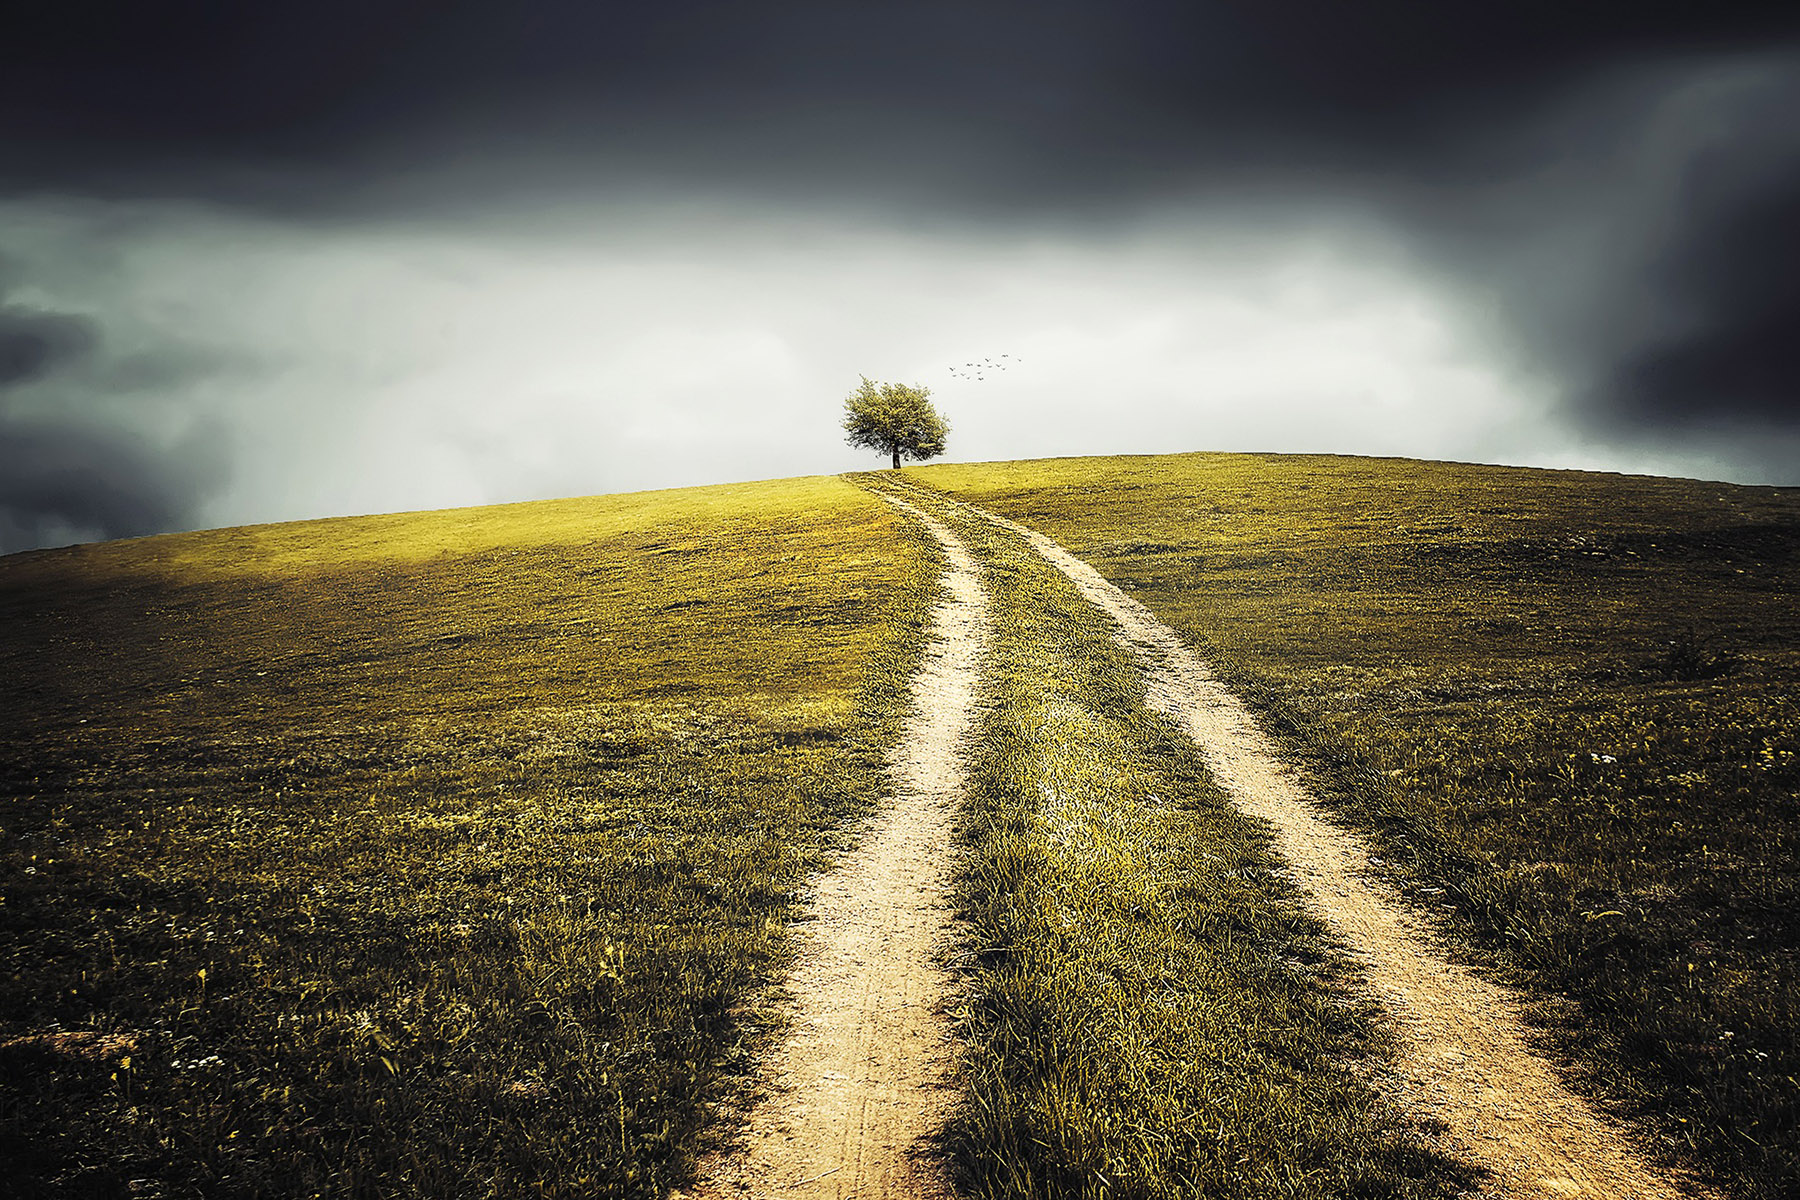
1464	1056
865	1076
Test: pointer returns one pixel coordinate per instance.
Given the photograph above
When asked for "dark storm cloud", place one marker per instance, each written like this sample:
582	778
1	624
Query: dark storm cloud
1048	99
1632	238
33	343
67	473
63	481
1736	357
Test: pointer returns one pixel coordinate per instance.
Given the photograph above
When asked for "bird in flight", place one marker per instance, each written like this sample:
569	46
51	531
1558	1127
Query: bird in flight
986	364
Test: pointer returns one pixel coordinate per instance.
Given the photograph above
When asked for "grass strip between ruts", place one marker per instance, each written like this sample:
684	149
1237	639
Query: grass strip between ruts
1150	1012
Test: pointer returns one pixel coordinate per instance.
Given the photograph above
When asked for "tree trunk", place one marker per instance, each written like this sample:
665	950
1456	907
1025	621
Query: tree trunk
896	458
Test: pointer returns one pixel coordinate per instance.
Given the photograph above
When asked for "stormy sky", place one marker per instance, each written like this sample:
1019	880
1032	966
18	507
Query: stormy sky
266	261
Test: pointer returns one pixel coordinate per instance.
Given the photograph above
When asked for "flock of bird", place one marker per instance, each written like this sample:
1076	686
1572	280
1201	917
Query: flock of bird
975	369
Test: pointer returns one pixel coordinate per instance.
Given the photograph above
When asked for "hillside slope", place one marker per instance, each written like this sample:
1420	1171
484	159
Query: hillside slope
428	854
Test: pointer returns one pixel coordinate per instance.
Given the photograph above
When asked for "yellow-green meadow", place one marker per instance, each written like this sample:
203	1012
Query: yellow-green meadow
435	854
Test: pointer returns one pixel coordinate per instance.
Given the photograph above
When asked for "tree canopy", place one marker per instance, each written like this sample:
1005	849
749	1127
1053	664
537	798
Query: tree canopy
896	419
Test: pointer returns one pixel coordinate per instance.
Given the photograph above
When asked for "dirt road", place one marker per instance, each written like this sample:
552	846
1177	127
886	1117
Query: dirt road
1466	1059
866	1071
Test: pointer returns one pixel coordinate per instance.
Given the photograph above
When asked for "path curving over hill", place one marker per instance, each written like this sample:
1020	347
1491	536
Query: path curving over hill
1465	1058
865	1074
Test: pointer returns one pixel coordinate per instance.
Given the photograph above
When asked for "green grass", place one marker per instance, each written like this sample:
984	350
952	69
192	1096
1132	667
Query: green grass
443	854
1566	705
453	853
1150	1012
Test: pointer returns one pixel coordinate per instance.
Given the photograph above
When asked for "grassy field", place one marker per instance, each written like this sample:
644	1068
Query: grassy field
1565	703
1150	1013
452	854
445	854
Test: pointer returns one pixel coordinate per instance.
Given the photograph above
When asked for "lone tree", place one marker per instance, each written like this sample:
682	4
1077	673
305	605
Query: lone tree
895	419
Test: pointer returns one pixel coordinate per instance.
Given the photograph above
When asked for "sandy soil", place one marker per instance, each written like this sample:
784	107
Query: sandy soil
866	1073
1465	1059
